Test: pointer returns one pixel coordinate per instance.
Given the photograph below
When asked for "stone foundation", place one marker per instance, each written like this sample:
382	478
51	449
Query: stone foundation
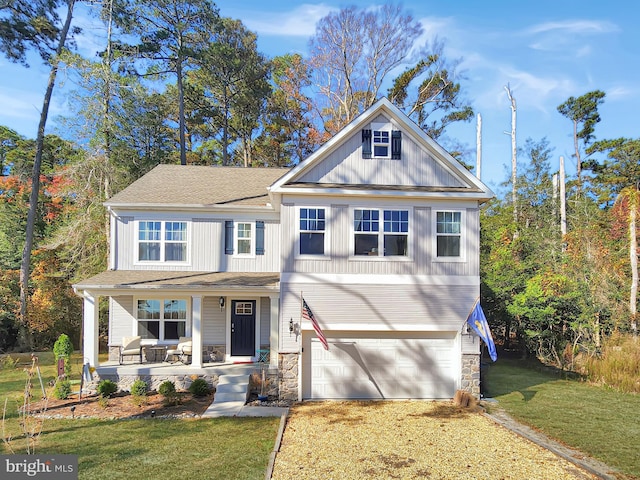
470	379
182	382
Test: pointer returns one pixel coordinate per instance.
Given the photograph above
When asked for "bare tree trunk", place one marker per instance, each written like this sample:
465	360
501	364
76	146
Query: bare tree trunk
576	147
24	336
182	126
563	202
514	152
479	148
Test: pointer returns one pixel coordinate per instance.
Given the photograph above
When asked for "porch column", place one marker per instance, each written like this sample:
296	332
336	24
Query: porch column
274	337
90	329
196	331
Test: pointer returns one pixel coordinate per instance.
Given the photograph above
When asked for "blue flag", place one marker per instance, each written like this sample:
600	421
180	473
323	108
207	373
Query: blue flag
478	322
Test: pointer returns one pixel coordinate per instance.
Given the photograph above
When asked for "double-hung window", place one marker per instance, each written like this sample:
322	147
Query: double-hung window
381	142
162	241
312	231
162	319
244	238
448	234
380	232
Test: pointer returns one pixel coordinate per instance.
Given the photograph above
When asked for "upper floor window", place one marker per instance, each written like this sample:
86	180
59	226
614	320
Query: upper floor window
162	241
312	231
390	240
244	238
160	319
448	234
381	142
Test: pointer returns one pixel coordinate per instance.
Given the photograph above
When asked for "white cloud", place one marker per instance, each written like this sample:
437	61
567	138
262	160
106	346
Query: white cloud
574	27
299	22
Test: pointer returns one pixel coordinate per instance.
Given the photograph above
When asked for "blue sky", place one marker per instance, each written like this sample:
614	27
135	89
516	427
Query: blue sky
546	51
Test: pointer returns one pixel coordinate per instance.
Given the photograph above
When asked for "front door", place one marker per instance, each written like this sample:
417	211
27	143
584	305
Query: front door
243	328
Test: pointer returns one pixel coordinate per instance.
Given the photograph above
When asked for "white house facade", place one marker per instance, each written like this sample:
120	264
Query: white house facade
378	232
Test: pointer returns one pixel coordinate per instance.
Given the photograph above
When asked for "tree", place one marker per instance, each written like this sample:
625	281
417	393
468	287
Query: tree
583	113
171	34
288	134
231	87
36	25
437	100
352	52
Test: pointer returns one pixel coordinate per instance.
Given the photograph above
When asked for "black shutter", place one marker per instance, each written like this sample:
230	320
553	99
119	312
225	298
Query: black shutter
259	237
366	143
396	144
228	237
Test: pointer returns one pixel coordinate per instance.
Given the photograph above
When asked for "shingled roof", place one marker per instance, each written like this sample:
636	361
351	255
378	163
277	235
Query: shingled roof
199	185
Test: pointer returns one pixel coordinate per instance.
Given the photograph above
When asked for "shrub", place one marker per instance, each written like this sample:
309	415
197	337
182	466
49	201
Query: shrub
139	388
199	387
62	389
63	349
106	388
8	362
167	388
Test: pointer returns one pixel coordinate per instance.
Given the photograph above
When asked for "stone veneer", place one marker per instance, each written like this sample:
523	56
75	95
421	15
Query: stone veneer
182	381
470	380
288	382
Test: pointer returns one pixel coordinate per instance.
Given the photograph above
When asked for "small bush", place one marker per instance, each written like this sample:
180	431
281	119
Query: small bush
139	388
8	362
199	387
62	389
167	388
106	388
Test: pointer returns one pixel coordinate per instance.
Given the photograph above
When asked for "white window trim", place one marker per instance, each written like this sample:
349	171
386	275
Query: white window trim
463	235
161	299
381	234
163	242
303	256
381	127
252	248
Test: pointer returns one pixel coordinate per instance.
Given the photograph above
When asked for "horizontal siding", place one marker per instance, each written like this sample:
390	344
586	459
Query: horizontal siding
406	307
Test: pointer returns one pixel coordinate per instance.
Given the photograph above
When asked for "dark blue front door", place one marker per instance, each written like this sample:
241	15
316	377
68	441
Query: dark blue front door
243	328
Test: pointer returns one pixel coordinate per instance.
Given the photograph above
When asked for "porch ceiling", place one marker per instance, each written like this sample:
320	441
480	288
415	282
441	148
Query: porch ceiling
153	279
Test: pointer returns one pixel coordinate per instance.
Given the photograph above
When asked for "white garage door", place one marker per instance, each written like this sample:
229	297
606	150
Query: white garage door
394	365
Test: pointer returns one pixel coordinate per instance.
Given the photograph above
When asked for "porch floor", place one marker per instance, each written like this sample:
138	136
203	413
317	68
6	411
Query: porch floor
167	368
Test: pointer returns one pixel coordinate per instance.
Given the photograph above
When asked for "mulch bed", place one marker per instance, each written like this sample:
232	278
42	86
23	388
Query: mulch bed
123	405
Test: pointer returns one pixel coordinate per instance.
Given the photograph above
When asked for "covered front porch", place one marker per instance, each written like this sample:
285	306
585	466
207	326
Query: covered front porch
230	318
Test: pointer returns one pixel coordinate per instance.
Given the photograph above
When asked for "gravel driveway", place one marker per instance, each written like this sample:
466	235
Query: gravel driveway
408	440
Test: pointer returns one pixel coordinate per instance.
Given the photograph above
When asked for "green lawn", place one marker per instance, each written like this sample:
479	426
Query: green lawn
224	448
598	421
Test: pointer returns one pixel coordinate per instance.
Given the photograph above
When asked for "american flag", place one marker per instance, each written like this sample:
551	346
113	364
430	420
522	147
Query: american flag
307	314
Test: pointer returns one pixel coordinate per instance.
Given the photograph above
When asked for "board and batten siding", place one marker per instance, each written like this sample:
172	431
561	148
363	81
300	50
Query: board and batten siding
213	322
121	318
421	259
377	307
265	320
345	165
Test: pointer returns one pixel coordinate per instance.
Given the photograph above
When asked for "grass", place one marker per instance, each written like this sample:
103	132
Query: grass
220	448
598	421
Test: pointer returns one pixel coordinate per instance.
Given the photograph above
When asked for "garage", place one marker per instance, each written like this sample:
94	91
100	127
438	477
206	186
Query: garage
380	365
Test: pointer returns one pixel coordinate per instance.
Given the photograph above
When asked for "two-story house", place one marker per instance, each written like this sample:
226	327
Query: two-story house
378	232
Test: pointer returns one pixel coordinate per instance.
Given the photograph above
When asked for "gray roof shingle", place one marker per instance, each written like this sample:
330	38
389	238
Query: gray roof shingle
200	185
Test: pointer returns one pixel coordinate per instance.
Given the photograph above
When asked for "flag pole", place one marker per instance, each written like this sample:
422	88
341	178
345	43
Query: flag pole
469	314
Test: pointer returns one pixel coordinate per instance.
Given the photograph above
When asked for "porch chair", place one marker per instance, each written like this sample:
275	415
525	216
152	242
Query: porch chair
182	350
130	347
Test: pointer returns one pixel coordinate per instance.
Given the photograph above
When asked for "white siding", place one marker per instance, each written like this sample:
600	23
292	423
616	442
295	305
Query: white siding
214	322
121	318
417	167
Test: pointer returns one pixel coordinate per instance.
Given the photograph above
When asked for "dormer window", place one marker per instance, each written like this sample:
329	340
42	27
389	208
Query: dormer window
381	142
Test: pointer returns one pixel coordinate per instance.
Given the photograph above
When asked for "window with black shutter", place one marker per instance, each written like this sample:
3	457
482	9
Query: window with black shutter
259	237
366	143
396	144
228	237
